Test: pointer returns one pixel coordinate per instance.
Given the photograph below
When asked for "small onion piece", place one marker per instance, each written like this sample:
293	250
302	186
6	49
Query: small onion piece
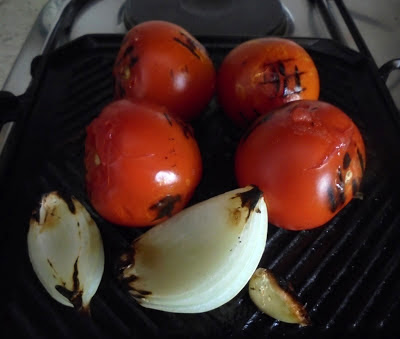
200	258
66	250
274	300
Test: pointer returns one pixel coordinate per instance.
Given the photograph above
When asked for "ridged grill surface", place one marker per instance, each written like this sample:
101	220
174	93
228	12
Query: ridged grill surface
346	272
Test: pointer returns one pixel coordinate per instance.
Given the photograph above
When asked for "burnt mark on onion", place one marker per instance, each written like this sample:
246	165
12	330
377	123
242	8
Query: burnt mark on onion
136	293
346	161
74	296
361	160
67	199
139	294
249	199
188	43
165	206
127	259
55	274
75	275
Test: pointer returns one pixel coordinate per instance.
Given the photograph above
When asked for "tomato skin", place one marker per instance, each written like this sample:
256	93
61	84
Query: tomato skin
308	157
262	74
142	165
161	62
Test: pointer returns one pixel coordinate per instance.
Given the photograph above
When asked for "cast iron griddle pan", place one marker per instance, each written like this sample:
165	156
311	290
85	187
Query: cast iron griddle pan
346	272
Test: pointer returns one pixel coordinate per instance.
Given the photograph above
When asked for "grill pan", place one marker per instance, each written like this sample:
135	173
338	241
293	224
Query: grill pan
346	272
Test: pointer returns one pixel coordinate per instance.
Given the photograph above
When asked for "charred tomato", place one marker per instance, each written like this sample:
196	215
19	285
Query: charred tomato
142	165
263	74
308	157
162	63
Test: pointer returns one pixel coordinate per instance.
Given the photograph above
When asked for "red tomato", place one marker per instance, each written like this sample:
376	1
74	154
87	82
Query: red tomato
308	157
142	165
162	63
263	74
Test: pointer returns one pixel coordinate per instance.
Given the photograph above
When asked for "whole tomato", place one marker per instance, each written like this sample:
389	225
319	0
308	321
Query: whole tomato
263	74
142	165
308	157
162	63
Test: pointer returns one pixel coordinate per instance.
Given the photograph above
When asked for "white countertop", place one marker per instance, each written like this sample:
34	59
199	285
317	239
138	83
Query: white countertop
16	19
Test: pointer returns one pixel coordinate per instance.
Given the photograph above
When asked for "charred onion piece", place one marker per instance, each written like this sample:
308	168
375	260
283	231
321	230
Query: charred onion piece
200	258
274	300
66	250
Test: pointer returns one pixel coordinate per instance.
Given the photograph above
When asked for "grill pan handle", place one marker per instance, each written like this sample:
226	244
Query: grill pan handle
388	67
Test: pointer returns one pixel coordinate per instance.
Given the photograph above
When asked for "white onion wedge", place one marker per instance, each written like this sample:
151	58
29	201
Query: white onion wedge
66	250
272	299
200	258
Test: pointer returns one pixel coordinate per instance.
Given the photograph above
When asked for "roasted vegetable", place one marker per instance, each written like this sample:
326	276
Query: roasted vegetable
66	250
200	258
308	157
142	165
263	74
161	62
274	300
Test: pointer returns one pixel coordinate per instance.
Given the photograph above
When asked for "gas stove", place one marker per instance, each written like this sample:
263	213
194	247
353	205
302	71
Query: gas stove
345	271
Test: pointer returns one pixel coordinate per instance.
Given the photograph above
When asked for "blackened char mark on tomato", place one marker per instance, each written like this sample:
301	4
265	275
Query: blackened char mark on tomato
340	187
336	196
186	129
297	87
249	199
277	69
189	43
74	296
346	161
332	199
165	206
168	119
